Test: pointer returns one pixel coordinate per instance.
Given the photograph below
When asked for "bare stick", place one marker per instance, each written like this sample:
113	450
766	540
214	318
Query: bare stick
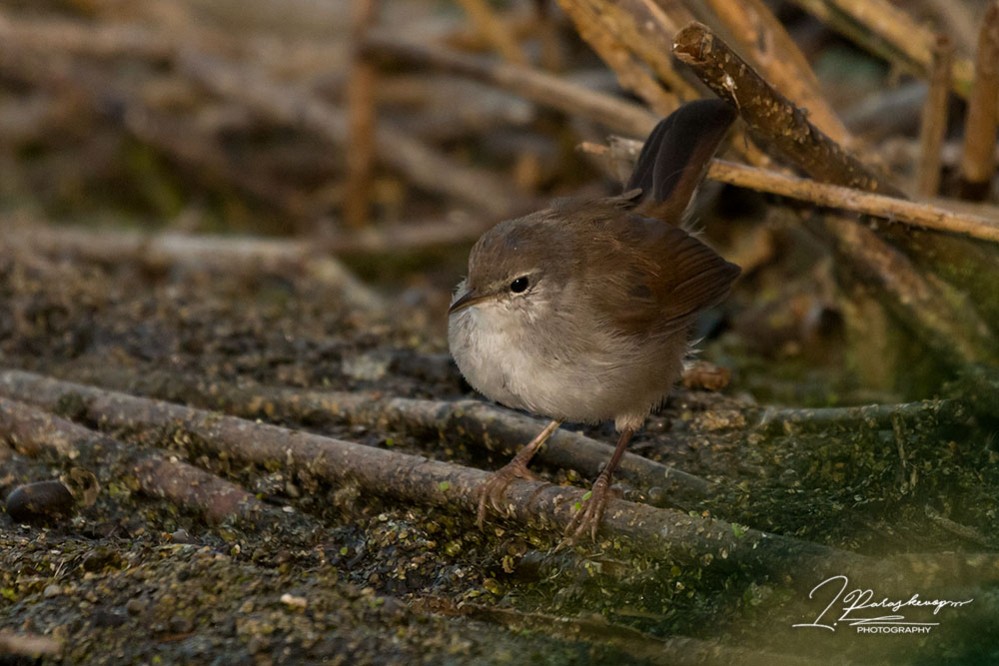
616	114
658	532
933	128
917	214
903	211
780	60
770	115
913	213
635	34
978	164
233	253
681	537
480	424
824	419
34	432
361	117
938	314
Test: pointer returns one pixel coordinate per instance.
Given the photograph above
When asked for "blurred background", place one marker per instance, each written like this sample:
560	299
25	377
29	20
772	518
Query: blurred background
392	133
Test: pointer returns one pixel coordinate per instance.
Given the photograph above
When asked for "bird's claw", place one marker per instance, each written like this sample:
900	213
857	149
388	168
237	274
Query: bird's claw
589	514
492	490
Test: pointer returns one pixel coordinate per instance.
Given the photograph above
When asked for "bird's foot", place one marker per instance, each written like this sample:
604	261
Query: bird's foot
493	489
589	513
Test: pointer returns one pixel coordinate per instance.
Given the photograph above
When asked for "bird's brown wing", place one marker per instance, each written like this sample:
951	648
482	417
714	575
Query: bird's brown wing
655	276
652	278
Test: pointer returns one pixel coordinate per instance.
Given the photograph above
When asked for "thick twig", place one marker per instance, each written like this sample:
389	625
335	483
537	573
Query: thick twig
795	420
361	87
922	215
903	211
770	115
656	532
495	428
413	478
616	114
937	313
778	57
635	34
34	432
933	127
978	163
157	249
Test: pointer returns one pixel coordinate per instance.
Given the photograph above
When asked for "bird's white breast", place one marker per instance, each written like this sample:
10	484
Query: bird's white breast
516	362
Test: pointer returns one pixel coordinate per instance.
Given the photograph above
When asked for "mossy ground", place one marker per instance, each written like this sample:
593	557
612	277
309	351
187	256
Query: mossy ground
360	579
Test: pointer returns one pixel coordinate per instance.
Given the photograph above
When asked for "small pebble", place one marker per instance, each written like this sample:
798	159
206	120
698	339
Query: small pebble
294	601
182	536
136	606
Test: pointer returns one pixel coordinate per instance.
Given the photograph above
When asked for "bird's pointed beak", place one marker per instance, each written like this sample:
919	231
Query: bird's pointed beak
466	300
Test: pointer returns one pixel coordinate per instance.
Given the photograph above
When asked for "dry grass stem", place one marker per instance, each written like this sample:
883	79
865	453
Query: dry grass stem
978	163
933	127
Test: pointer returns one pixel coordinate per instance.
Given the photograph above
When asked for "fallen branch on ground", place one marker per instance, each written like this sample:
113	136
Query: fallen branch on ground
34	432
479	424
665	533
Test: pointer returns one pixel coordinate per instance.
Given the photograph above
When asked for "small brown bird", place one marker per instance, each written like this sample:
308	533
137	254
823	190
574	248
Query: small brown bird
582	312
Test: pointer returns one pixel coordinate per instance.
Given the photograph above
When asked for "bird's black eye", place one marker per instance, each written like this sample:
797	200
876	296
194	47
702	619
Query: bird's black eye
519	285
